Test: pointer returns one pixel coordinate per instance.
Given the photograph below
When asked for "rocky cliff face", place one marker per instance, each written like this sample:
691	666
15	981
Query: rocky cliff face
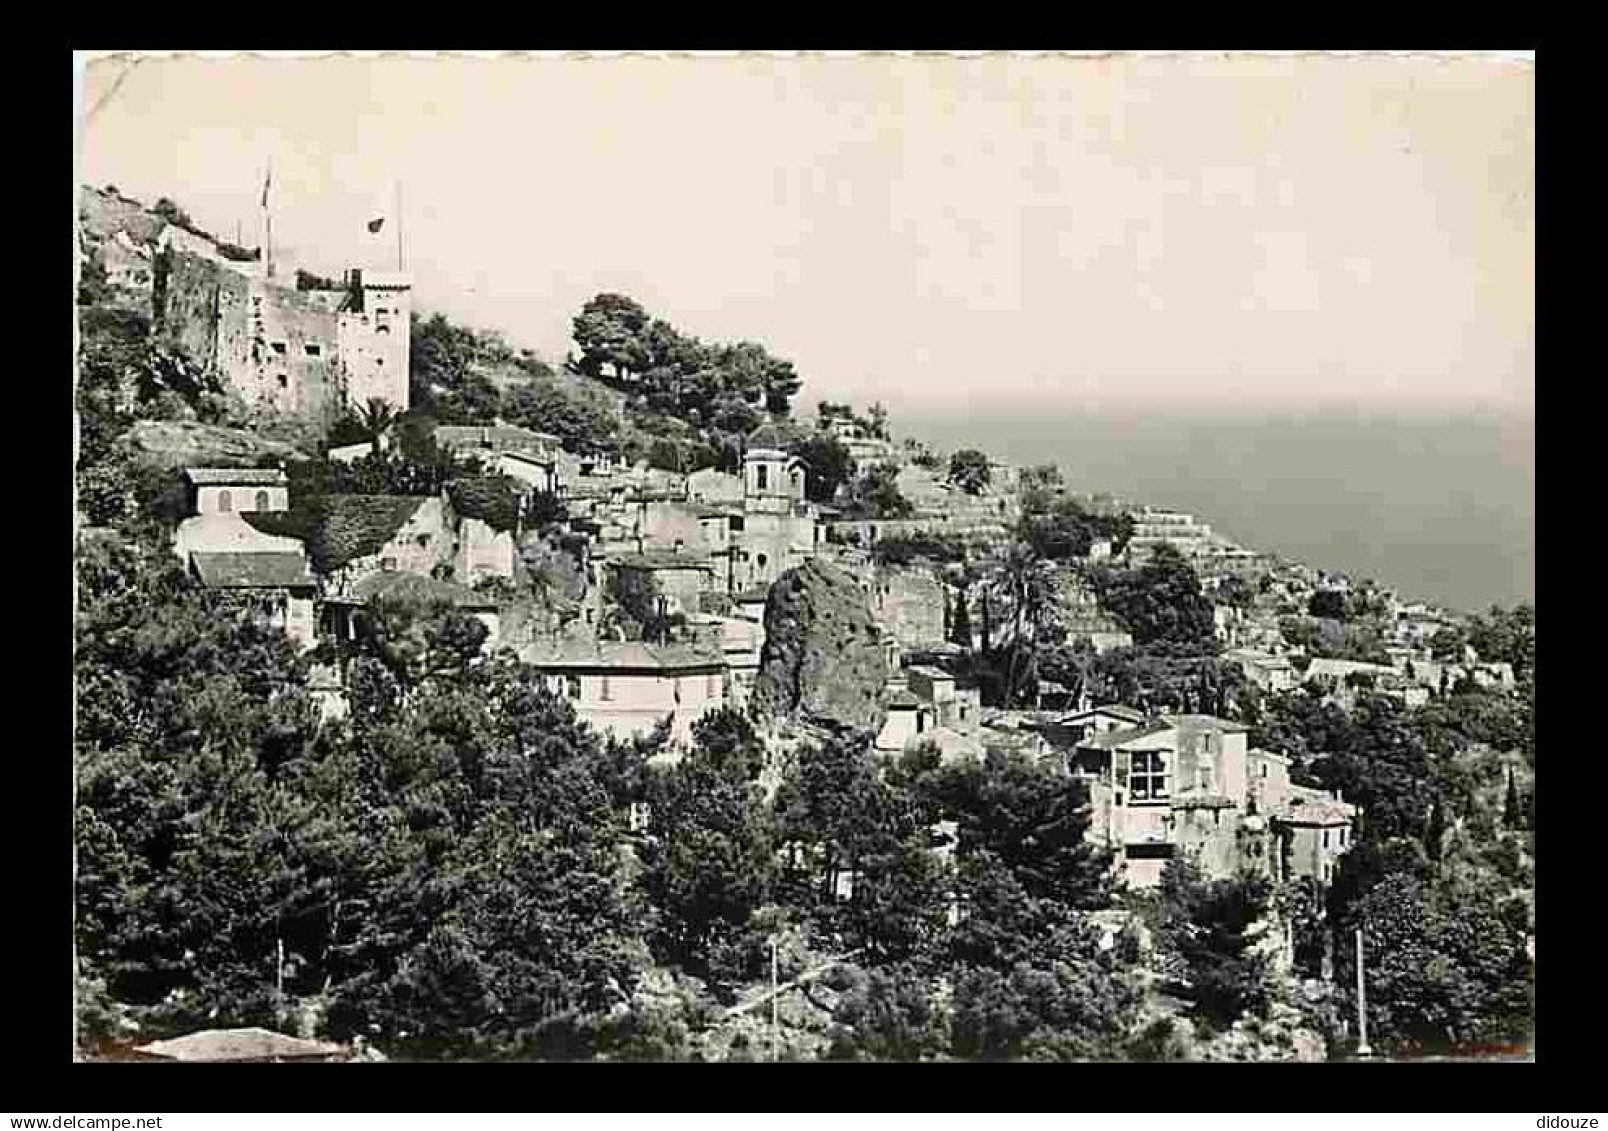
186	443
823	660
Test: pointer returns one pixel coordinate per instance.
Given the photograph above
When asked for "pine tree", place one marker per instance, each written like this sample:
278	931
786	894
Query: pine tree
1512	810
960	631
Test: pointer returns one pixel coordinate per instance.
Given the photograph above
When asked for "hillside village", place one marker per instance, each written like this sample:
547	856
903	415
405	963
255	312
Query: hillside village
657	538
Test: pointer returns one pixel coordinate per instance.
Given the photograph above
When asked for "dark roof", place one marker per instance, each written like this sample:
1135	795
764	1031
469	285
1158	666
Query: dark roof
1112	710
239	1044
235	476
773	435
417	587
607	655
341	528
1185	723
662	559
252	570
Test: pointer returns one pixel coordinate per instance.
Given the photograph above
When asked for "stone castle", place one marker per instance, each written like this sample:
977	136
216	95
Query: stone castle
308	353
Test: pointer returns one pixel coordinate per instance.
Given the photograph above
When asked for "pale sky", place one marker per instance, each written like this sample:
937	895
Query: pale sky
939	232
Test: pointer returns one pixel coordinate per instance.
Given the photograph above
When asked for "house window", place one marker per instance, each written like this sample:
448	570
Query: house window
606	692
314	350
1264	769
423	540
279	348
1325	838
713	690
1148	779
262	500
764	476
225	502
572	686
1342	838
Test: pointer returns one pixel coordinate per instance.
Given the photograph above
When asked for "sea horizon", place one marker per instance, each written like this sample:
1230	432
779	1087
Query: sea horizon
1438	504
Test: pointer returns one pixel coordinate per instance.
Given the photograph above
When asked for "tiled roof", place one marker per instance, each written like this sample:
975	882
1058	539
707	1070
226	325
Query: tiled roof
252	570
662	559
1185	724
1320	813
608	655
238	1044
417	587
235	476
1110	710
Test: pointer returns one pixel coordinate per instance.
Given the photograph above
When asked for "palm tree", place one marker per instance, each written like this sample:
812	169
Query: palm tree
1023	580
376	417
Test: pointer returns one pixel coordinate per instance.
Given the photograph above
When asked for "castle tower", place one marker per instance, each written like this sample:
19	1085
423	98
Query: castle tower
375	326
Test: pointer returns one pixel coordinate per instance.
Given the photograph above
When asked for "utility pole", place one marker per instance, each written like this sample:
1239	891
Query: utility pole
279	980
1363	1051
775	999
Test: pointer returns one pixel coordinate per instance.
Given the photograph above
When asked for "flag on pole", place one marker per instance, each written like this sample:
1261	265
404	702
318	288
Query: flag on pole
378	215
267	179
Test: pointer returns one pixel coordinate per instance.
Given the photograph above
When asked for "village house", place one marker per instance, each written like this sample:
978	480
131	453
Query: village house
1186	786
679	578
1073	728
278	585
536	472
909	603
1266	671
128	265
357	535
218	497
415	590
628	688
1342	679
483	551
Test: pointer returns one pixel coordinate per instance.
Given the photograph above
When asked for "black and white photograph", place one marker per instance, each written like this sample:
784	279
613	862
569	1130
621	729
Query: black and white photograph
766	556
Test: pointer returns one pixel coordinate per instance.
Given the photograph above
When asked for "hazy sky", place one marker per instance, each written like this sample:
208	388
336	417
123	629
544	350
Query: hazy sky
937	232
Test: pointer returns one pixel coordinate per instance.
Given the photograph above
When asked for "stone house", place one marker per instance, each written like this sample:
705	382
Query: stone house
354	536
278	585
483	551
415	589
680	578
1186	786
537	472
628	688
910	604
1267	671
236	490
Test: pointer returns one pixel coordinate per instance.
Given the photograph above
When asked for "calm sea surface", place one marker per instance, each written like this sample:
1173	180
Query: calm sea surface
1441	508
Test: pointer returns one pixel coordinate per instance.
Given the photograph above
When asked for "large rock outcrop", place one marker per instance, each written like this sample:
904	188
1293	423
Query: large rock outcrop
185	443
823	660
